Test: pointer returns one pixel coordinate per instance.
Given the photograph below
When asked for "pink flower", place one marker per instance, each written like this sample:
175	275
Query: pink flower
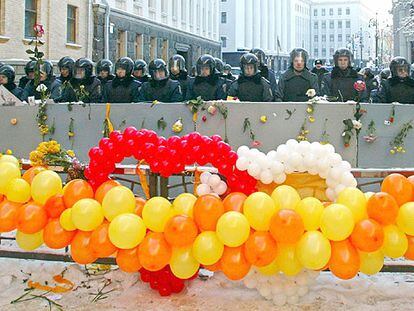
256	143
39	30
212	110
204	118
360	86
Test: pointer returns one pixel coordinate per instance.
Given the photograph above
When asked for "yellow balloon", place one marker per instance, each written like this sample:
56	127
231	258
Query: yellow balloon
259	209
287	260
156	213
127	231
10	159
183	264
310	209
45	185
405	219
337	222
29	242
183	204
285	197
371	263
395	242
119	200
233	229
65	220
355	200
313	250
270	269
87	214
207	248
8	172
18	191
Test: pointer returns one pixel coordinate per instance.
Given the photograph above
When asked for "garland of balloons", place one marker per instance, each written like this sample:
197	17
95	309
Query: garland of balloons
234	233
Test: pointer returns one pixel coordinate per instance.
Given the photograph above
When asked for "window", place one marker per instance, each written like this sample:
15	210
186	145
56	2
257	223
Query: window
331	25
331	51
120	4
315	25
71	24
315	38
323	51
138	46
339	11
30	18
348	37
315	52
121	44
348	24
339	37
323	38
223	42
323	12
340	24
223	17
348	11
324	25
315	12
153	48
164	49
331	38
330	12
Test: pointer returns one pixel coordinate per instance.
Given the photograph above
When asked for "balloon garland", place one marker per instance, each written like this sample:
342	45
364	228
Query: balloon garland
240	232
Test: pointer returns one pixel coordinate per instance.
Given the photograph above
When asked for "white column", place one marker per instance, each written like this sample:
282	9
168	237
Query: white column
264	26
256	24
271	39
278	16
248	26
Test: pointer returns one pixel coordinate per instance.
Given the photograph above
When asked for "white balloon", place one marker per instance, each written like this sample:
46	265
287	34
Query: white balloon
335	173
264	290
282	153
324	173
289	289
301	168
339	189
345	165
250	283
323	164
254	170
204	177
221	188
263	161
334	159
329	148
331	183
347	178
277	288
295	159
289	169
303	147
292	143
292	300
313	171
302	279
203	189
242	151
242	163
302	291
276	167
266	177
271	154
214	180
330	193
309	160
279	300
280	179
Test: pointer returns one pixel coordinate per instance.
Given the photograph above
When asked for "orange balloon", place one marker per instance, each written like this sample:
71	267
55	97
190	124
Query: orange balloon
207	210
101	245
104	188
180	231
399	187
214	267
55	206
127	260
344	262
32	218
76	190
233	263
409	254
139	206
383	208
368	236
234	202
260	249
9	215
80	248
32	172
286	226
154	252
55	236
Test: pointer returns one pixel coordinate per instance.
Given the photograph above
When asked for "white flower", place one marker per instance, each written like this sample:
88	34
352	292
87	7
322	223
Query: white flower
311	93
41	88
357	124
212	109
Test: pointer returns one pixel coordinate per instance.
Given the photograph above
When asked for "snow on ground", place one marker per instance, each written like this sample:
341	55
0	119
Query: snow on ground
385	291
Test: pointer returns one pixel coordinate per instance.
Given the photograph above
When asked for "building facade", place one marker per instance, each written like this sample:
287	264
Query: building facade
152	29
276	26
67	23
403	29
337	24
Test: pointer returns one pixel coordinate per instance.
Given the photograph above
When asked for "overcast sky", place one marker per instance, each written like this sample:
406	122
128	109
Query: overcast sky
380	6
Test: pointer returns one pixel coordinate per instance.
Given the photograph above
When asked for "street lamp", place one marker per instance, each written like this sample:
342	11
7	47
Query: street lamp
373	22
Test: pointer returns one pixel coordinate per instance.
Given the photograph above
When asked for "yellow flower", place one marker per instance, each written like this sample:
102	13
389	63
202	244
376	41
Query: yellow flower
399	149
309	110
9	152
71	134
177	126
71	153
36	157
155	102
392	151
263	119
13	121
306	131
311	119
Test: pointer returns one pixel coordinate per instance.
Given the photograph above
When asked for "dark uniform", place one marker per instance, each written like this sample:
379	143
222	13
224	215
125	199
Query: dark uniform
251	88
66	63
294	84
104	65
228	75
211	87
319	72
141	65
163	90
53	85
340	83
122	90
371	82
220	72
28	68
396	88
86	88
8	71
182	77
265	71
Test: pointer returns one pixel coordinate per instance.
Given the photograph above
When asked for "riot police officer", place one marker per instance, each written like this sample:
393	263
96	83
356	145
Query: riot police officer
251	86
178	72
227	73
123	88
160	87
7	76
29	70
370	81
400	86
104	71
319	70
207	84
65	66
140	71
265	71
297	80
